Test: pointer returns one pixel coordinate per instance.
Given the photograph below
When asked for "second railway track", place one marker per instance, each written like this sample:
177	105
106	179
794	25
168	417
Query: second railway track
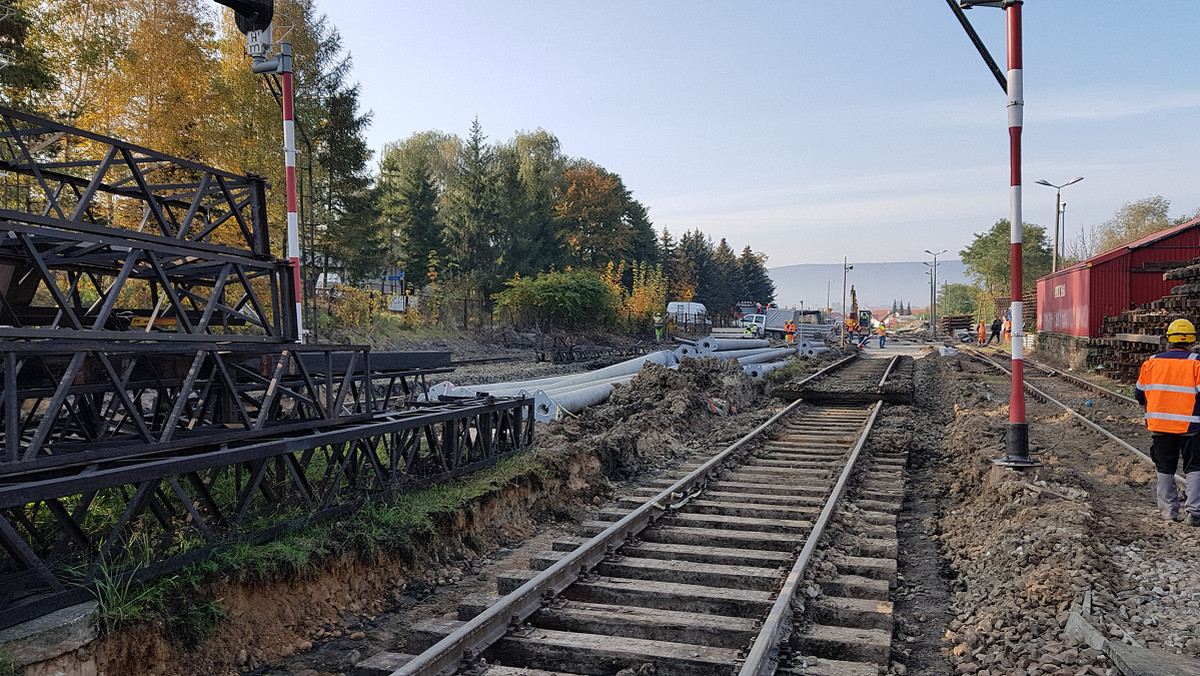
705	572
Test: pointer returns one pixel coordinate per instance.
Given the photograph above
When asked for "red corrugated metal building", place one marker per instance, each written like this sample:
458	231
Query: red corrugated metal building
1075	300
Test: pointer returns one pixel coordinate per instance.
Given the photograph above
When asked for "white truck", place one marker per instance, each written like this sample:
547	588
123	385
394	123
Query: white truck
810	324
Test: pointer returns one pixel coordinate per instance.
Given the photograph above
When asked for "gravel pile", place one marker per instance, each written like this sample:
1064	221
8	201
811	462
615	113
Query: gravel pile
1160	607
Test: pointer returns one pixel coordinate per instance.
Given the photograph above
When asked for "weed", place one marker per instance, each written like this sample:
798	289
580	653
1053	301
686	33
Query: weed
10	667
120	600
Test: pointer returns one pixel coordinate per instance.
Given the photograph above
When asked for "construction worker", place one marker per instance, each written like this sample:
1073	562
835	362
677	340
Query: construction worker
1167	386
1007	329
882	334
659	323
997	325
789	330
982	333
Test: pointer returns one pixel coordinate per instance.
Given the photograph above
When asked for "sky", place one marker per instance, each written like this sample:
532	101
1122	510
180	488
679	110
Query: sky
807	130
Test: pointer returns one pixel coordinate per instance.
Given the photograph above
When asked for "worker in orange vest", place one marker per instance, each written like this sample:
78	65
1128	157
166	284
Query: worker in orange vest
982	328
1008	329
1167	386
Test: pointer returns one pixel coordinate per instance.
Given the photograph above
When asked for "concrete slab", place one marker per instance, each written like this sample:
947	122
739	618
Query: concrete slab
846	643
850	612
878	569
855	586
648	623
670	596
49	636
706	537
605	655
382	664
690	572
1131	660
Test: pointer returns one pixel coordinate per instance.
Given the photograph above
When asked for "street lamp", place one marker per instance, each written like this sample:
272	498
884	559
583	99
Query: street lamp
933	294
845	269
1058	209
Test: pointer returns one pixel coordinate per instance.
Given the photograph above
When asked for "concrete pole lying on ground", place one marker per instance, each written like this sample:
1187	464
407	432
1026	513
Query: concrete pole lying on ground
760	370
717	344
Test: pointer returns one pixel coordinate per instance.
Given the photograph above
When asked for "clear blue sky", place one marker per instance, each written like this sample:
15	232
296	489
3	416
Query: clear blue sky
808	130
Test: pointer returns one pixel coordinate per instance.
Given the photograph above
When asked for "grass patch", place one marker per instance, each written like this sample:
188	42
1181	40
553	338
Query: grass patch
397	527
10	667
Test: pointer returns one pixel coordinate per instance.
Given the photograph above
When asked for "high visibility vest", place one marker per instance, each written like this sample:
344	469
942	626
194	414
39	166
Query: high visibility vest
1169	381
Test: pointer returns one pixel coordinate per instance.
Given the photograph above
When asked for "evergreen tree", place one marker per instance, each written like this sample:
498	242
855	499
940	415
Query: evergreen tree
355	235
722	296
754	273
408	204
529	171
470	212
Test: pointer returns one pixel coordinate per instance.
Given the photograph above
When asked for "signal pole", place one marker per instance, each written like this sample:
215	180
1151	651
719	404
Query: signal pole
1012	81
254	21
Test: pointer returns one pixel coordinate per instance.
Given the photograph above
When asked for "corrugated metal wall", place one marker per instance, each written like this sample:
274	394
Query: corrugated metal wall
1075	301
1063	302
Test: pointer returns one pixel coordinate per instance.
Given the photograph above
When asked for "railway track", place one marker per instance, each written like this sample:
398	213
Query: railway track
1111	414
707	571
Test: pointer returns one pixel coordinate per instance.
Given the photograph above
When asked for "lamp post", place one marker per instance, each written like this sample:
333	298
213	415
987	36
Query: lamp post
1017	446
1058	209
933	293
845	269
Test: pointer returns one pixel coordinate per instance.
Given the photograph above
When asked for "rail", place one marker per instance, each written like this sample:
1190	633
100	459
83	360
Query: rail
488	627
1084	419
759	662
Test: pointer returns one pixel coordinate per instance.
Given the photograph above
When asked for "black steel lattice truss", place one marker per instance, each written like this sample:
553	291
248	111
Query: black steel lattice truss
62	535
154	405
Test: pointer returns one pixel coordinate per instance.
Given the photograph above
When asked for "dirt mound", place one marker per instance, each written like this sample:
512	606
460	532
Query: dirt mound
663	414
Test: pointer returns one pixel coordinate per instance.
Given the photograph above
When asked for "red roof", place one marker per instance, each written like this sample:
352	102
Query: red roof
1135	244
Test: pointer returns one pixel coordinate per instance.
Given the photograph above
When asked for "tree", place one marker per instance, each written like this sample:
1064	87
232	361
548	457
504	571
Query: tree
354	231
529	173
592	216
408	194
956	299
725	267
758	284
694	253
988	257
26	78
470	211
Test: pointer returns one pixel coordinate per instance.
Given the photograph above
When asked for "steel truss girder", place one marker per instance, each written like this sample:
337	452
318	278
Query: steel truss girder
71	403
93	246
140	520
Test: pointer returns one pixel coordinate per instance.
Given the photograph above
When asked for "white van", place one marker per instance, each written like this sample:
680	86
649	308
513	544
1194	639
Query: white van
687	313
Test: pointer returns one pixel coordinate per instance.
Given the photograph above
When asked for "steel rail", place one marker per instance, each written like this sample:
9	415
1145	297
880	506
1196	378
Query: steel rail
478	634
888	371
1068	409
1076	380
759	661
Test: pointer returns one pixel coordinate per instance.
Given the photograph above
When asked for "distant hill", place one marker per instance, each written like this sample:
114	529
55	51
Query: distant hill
877	284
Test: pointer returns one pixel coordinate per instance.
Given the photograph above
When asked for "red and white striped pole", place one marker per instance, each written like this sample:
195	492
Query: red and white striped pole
289	154
1018	430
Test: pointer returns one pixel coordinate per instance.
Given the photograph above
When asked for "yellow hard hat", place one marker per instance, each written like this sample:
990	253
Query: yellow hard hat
1181	331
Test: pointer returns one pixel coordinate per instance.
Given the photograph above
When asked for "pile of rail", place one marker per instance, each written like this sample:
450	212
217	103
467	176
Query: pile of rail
154	403
1132	336
948	324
